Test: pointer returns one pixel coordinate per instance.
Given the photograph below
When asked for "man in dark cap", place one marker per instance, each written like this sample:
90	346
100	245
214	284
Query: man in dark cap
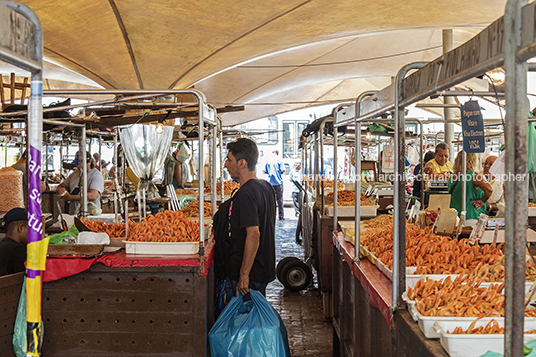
13	246
69	188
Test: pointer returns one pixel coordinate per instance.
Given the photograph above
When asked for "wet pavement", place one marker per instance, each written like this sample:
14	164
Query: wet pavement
310	334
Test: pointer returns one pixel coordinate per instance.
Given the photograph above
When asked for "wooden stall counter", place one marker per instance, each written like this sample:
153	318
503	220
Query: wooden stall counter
362	320
122	304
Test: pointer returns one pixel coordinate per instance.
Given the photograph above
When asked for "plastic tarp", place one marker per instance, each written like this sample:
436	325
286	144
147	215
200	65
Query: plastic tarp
146	151
62	267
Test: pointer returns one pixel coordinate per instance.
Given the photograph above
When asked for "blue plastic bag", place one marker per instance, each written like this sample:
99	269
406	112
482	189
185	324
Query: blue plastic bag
249	328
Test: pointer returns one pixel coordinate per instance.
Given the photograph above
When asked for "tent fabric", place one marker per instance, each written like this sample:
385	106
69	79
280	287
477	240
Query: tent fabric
272	56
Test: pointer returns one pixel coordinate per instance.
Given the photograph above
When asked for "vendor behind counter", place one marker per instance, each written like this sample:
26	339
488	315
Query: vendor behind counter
478	190
440	163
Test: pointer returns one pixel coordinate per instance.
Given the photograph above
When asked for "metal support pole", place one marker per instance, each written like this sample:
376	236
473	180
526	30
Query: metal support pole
318	175
335	169
357	189
46	157
222	160
399	200
464	179
422	152
516	193
61	156
212	173
357	221
100	154
83	179
116	162
201	186
448	45
36	245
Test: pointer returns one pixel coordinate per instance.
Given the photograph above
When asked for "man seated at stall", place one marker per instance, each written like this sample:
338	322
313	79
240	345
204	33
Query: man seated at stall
440	163
13	246
69	188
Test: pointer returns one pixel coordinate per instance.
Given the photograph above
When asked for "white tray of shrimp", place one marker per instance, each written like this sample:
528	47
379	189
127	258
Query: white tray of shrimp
426	323
473	345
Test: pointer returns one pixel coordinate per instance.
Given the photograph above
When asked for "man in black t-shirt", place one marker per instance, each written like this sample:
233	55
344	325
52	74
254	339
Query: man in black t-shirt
13	246
250	256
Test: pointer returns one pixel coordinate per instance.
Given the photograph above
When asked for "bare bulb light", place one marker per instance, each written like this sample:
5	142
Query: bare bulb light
496	76
159	128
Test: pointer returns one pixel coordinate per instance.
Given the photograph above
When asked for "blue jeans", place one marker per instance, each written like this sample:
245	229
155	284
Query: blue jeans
279	198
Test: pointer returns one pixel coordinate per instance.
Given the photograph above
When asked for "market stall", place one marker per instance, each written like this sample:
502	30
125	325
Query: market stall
169	282
124	304
502	318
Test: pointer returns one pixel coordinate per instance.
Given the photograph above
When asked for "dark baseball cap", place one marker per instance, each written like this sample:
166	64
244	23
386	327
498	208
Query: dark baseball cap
15	214
76	160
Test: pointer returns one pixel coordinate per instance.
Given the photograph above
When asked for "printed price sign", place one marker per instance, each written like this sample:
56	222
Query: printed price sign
479	228
414	211
472	127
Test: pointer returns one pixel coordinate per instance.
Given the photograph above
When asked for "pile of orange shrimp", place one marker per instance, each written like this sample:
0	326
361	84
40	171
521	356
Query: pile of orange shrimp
378	222
329	184
345	201
181	191
344	195
167	226
114	230
462	296
192	210
491	328
451	298
228	187
434	254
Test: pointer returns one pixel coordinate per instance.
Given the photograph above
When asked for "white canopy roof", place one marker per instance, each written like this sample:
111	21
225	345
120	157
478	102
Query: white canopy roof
271	56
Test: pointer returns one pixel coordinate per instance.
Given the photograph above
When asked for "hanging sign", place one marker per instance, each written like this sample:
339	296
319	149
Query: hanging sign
472	127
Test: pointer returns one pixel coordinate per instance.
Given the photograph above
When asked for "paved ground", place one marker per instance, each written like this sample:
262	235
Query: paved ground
309	333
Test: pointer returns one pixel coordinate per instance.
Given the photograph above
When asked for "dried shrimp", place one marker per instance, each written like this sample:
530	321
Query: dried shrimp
114	230
192	210
167	226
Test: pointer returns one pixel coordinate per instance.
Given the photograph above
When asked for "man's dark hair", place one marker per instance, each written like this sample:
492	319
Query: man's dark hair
443	146
10	226
246	149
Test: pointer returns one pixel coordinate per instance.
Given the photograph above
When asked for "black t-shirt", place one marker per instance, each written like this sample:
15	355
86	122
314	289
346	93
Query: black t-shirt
12	256
253	205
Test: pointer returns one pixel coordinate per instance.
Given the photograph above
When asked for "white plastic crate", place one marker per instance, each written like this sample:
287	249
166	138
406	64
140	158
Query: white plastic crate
349	211
160	248
473	345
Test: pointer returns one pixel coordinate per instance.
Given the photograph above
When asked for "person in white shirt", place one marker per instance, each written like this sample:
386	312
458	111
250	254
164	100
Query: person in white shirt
496	200
69	188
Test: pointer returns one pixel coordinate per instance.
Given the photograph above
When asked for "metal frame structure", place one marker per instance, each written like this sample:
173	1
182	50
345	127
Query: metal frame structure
353	113
26	52
204	117
509	41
